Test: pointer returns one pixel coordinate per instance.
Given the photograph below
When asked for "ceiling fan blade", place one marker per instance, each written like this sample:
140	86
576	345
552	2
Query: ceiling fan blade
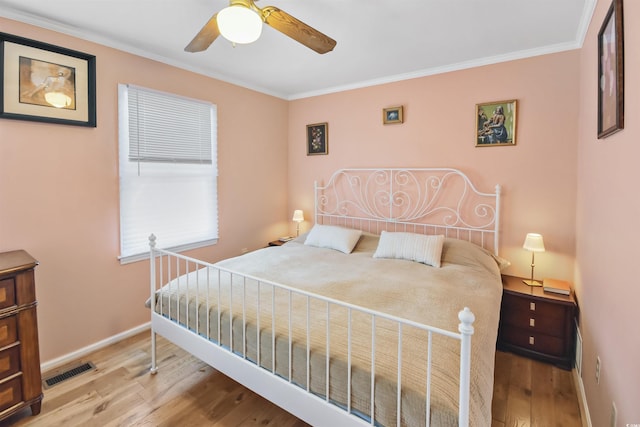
205	37
297	30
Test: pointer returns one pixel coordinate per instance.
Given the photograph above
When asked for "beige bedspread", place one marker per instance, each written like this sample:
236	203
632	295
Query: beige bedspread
469	277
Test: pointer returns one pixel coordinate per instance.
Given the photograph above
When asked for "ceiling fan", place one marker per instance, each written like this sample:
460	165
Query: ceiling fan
245	19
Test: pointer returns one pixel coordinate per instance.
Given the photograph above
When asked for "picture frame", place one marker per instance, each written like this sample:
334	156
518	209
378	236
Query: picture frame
317	139
611	72
46	83
392	115
496	123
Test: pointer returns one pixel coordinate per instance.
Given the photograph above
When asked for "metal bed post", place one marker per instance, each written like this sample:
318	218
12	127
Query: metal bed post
315	202
466	318
152	267
496	233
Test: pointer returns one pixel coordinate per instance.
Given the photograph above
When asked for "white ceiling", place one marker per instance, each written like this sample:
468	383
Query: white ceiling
378	40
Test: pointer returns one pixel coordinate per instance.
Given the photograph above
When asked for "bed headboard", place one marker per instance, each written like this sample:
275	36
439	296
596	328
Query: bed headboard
425	200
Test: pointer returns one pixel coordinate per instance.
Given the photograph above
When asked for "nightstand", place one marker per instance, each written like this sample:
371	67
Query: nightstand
537	324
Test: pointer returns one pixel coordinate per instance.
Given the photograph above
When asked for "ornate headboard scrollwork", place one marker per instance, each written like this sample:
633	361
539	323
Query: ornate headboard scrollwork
426	200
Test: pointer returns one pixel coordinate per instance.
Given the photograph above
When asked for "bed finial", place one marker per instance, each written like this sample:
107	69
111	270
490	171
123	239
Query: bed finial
152	240
467	318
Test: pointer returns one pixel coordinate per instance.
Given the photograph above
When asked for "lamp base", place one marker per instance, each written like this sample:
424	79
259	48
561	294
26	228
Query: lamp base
532	283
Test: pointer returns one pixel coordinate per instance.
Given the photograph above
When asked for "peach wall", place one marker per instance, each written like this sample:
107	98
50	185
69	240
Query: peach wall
59	194
538	175
608	208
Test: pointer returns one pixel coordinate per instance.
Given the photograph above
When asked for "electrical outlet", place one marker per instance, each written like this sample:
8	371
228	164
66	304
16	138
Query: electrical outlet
244	250
614	415
598	370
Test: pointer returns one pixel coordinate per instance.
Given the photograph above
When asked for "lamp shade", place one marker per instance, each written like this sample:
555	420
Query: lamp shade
533	242
297	216
239	24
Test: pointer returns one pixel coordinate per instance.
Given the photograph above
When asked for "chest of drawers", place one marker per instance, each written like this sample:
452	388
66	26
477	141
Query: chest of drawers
537	324
20	378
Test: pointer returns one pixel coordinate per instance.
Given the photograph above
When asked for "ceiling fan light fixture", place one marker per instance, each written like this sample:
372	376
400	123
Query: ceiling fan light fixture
239	24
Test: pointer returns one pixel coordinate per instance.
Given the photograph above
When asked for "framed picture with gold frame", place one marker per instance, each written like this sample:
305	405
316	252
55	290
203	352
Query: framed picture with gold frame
392	115
496	123
611	72
317	139
46	83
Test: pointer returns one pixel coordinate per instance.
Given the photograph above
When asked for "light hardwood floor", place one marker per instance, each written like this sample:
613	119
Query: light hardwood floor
187	392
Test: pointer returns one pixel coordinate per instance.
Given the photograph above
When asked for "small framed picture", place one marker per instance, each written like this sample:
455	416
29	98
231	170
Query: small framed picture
46	83
611	72
392	115
496	123
317	139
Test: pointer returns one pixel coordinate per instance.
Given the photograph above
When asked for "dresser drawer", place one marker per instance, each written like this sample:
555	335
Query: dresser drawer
541	343
9	361
7	293
10	393
8	331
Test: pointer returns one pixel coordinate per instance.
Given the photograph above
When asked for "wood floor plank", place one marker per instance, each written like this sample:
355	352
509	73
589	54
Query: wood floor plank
542	393
518	412
501	378
567	409
187	392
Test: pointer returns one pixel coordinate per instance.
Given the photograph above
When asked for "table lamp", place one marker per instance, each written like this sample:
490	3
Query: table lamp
534	243
298	217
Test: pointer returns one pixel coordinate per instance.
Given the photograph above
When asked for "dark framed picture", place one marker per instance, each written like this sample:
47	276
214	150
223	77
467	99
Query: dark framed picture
496	123
46	83
392	115
317	139
611	72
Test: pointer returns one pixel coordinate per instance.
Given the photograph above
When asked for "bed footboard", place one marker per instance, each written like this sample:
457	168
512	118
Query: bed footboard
302	351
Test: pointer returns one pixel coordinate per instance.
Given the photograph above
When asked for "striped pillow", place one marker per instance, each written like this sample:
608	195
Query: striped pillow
410	246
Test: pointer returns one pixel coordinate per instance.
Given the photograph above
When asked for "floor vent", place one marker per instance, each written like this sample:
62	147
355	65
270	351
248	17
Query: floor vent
68	374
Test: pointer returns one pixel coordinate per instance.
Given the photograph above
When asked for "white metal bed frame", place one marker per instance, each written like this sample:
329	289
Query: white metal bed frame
379	199
422	200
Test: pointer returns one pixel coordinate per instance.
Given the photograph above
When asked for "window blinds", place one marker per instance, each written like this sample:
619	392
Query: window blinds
168	128
168	171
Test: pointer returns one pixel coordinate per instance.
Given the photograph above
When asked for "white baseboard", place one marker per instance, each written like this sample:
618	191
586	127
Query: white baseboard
78	354
582	399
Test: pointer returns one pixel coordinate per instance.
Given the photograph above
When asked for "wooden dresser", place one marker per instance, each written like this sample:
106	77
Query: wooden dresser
20	378
537	324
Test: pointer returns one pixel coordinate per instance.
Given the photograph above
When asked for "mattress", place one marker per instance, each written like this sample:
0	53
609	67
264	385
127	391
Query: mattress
468	277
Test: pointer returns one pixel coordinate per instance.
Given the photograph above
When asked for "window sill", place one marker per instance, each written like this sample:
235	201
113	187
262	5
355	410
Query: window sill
180	248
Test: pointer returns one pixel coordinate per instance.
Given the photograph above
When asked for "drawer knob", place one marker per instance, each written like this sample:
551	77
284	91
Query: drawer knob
532	341
532	306
532	322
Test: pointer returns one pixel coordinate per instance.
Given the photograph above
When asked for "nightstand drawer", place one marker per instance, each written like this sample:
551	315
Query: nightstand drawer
10	393
9	361
7	293
518	306
538	342
534	322
8	331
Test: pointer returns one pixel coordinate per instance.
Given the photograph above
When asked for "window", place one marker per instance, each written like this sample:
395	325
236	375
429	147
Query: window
168	171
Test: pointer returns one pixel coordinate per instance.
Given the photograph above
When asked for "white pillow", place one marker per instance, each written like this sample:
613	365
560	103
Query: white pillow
333	237
410	246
